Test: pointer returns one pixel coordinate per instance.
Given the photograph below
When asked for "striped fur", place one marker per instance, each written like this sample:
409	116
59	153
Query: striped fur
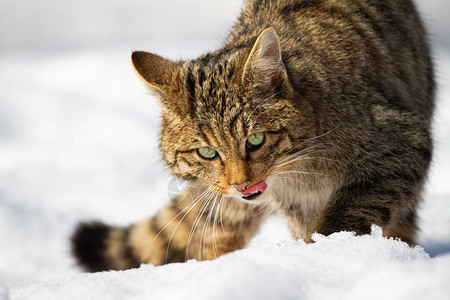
344	92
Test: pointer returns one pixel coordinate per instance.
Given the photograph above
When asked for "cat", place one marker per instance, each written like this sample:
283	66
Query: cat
316	110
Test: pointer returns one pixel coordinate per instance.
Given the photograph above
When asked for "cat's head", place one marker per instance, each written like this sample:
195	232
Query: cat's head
228	119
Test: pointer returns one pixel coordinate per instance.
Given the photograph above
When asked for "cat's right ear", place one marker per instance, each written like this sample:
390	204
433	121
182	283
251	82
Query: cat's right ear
264	71
155	70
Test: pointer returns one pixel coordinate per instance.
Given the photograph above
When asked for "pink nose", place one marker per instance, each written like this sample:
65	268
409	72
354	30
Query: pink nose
241	186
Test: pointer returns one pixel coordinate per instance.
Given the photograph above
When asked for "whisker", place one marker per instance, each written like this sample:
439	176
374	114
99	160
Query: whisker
214	232
303	173
215	229
192	205
300	156
216	218
192	231
285	177
303	157
317	137
296	154
280	165
222	201
301	152
195	202
196	222
203	228
208	222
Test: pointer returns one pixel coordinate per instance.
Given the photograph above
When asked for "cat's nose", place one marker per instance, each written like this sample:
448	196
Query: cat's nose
241	186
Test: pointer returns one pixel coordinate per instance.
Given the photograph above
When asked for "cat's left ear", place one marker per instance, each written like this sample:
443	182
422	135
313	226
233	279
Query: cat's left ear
264	71
155	70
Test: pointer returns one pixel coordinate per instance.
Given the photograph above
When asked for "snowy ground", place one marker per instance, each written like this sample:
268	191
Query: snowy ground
78	140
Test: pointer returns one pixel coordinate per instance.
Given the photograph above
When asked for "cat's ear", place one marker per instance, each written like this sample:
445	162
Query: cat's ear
155	70
264	71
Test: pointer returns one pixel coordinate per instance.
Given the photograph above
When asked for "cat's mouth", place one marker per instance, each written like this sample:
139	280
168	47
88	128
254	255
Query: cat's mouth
252	197
254	191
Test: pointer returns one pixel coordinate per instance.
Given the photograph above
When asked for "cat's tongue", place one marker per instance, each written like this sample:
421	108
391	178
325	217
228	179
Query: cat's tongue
259	187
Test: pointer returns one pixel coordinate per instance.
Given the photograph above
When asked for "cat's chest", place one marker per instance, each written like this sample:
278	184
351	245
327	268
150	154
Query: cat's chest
298	202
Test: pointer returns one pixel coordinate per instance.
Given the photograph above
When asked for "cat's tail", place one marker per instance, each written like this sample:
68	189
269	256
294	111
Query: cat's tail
100	247
182	230
96	249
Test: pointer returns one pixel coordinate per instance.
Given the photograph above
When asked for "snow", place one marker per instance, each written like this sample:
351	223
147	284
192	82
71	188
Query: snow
78	141
268	270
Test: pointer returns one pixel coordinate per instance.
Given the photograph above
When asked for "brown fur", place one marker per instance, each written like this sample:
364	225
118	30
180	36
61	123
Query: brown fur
344	92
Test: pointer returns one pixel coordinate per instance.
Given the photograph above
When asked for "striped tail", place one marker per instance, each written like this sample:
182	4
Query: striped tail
91	243
203	228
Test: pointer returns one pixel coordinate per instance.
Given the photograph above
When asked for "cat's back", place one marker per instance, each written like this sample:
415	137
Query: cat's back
379	47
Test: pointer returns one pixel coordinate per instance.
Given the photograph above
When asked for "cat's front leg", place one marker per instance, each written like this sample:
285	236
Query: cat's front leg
389	204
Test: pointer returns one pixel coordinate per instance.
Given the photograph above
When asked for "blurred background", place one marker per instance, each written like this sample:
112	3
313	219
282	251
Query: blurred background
78	130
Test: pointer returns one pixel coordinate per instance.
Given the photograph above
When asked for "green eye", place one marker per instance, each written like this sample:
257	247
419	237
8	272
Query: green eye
255	141
207	153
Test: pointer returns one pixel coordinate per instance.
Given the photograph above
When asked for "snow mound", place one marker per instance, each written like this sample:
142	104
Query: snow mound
3	292
340	266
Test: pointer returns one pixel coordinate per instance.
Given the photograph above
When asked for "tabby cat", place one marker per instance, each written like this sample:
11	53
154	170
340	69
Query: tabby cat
316	110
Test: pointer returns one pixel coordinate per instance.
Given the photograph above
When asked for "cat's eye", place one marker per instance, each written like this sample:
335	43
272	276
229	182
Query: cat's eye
207	153
255	141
